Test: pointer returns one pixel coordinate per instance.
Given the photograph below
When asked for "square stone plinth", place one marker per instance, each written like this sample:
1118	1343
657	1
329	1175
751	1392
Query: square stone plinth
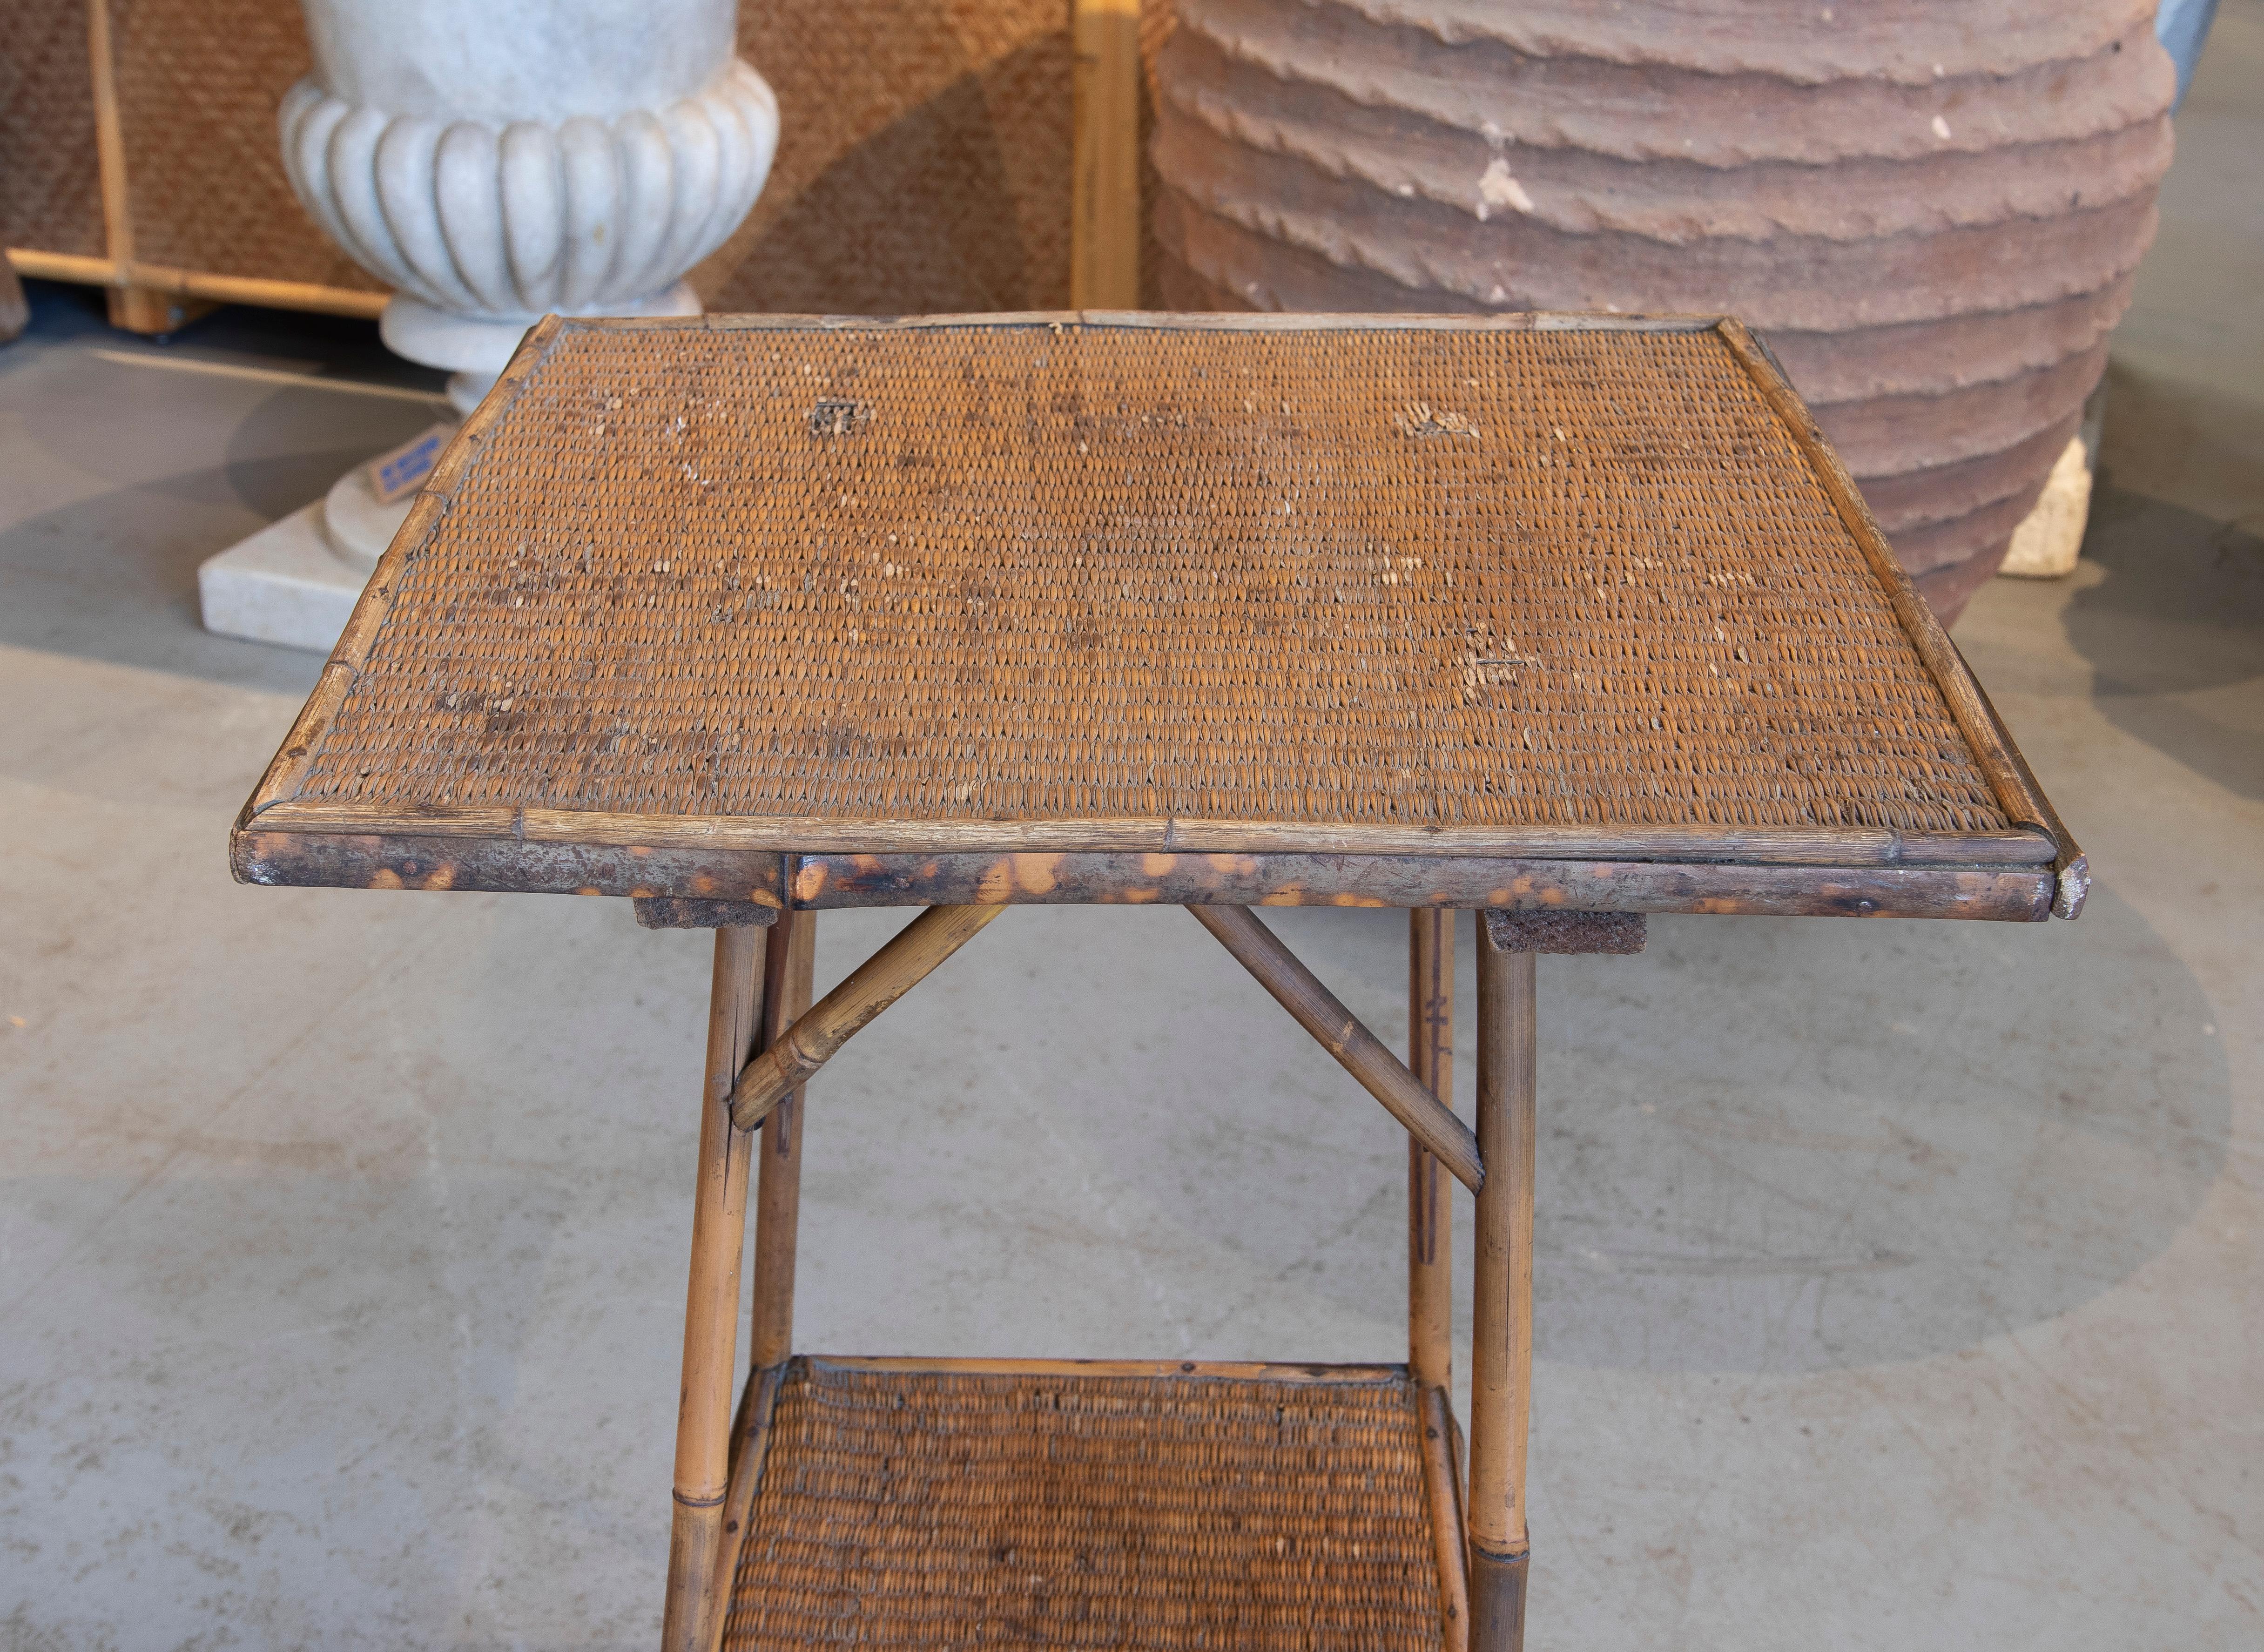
284	585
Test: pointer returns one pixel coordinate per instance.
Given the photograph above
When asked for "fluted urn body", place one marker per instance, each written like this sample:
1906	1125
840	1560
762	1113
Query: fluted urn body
1932	208
496	160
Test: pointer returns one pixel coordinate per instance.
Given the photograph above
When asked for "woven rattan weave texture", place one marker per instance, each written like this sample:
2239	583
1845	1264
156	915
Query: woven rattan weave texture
909	1510
50	183
198	82
996	572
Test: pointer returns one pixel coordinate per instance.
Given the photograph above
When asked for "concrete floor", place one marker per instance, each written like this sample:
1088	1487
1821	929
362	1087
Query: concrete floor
1898	1282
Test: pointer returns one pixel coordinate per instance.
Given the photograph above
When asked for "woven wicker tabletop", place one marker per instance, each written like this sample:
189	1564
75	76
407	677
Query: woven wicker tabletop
1148	583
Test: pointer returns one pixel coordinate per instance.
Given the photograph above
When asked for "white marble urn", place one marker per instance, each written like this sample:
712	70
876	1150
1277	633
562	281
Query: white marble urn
494	161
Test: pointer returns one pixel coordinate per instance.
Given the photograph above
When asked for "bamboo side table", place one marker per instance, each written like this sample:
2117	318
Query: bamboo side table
1565	620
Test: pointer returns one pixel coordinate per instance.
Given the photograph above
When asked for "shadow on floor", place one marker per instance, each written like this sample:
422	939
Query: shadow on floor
1783	1146
112	574
2177	619
114	577
336	346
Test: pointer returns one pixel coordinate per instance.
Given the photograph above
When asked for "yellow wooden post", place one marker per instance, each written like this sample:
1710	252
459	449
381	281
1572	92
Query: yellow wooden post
1104	236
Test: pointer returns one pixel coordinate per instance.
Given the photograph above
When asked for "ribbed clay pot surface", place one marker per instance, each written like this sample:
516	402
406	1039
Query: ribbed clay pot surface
1932	208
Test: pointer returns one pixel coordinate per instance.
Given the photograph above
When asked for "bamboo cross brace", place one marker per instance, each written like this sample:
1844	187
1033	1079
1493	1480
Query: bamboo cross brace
818	1035
1341	1033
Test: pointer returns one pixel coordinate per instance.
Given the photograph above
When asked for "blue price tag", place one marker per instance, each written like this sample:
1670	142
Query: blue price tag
400	472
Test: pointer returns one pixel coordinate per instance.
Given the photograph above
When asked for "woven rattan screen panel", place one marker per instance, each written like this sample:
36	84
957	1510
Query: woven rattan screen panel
1437	576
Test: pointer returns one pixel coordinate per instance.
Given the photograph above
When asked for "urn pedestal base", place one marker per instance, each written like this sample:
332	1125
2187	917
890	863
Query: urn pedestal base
285	585
475	349
295	582
358	524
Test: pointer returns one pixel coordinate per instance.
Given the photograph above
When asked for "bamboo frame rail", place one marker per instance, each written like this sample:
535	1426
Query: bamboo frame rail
1501	1340
136	276
1341	1033
816	1037
711	1313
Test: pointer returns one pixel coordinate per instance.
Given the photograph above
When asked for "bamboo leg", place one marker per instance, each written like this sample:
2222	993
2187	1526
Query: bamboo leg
785	994
1430	1208
711	1313
1501	1350
777	1189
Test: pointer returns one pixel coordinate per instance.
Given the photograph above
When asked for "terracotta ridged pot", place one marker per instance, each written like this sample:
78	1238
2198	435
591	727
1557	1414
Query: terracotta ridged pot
1932	208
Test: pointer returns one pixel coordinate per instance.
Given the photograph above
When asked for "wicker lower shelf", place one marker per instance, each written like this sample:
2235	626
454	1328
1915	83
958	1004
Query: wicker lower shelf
1073	1503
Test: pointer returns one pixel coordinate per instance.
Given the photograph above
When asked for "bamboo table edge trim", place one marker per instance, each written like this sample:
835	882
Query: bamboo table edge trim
332	860
819	834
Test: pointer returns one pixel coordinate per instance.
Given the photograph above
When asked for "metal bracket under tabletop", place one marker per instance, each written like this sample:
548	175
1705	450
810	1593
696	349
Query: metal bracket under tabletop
669	911
1550	929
